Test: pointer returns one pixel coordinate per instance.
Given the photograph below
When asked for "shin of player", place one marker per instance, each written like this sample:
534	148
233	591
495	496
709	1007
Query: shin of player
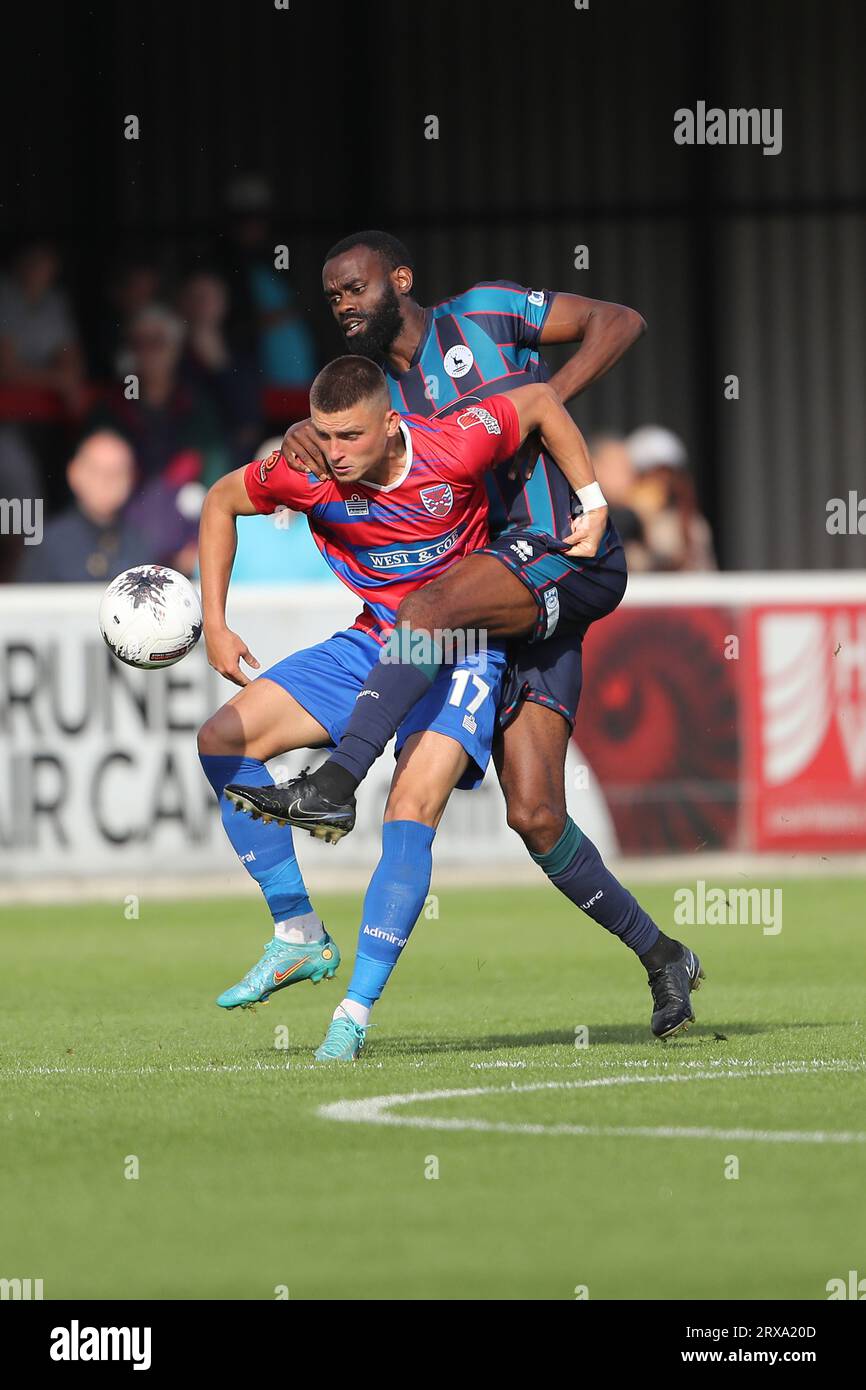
234	743
429	767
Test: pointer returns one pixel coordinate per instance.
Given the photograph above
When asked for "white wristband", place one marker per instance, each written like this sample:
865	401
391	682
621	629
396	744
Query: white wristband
591	497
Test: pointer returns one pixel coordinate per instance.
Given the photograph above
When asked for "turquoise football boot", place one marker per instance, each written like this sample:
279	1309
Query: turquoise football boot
343	1040
284	963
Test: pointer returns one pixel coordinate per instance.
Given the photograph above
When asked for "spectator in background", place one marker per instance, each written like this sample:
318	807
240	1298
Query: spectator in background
91	541
175	435
38	340
677	535
265	320
136	284
278	549
229	379
166	420
615	473
39	350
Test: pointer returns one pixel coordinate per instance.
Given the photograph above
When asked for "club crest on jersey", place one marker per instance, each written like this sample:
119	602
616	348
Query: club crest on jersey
458	360
438	499
267	464
477	415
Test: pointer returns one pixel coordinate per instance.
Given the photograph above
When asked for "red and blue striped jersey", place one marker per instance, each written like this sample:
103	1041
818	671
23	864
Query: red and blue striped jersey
478	344
385	541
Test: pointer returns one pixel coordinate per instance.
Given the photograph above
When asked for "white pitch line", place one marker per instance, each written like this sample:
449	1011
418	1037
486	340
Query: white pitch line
377	1109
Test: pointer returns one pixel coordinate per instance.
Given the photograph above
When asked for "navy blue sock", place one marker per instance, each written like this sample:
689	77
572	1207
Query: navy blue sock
392	906
407	666
576	868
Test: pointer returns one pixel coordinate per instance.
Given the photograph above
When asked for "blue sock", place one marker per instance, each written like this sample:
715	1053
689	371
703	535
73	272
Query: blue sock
267	852
576	868
407	666
393	903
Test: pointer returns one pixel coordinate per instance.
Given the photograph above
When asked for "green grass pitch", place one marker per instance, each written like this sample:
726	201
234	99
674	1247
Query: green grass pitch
113	1048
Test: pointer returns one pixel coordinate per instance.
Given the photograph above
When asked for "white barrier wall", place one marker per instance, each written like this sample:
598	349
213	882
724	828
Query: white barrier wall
99	773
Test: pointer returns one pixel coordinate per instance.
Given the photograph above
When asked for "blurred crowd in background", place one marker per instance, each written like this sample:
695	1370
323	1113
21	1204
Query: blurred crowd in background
190	374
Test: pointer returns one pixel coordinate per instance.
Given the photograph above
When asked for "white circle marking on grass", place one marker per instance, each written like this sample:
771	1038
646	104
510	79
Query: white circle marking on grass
378	1110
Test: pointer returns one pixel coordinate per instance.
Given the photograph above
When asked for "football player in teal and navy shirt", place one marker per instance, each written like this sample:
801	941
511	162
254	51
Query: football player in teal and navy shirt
446	360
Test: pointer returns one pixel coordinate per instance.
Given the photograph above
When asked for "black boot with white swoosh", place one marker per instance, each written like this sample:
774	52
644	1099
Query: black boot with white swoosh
297	802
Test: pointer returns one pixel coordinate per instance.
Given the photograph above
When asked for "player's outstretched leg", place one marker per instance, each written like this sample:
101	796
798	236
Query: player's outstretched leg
575	867
300	948
531	765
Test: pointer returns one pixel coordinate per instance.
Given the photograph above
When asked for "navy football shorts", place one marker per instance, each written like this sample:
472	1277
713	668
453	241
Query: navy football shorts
547	668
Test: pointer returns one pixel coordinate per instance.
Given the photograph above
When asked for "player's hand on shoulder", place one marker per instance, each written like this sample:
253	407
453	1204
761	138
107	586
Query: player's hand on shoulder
302	451
225	651
586	534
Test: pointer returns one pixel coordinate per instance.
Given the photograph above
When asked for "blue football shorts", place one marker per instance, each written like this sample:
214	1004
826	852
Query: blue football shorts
461	703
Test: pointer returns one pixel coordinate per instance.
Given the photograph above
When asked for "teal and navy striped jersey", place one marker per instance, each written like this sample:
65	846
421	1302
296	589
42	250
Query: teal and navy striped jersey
478	344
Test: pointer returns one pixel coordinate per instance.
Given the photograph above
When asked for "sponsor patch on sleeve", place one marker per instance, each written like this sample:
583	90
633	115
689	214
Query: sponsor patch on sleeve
477	415
267	464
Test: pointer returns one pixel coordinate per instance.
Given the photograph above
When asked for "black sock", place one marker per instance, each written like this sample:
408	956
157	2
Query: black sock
335	783
663	952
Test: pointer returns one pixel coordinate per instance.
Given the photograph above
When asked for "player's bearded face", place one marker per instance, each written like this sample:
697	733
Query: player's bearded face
380	325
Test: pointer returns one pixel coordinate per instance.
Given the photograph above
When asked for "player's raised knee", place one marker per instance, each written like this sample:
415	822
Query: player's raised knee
222	735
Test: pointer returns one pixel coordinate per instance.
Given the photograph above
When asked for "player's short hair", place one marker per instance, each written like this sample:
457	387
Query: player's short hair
392	251
346	382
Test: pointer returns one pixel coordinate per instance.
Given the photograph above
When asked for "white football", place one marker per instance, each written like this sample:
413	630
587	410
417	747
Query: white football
150	616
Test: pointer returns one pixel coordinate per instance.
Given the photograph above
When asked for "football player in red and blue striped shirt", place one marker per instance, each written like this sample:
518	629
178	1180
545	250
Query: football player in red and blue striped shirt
403	501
